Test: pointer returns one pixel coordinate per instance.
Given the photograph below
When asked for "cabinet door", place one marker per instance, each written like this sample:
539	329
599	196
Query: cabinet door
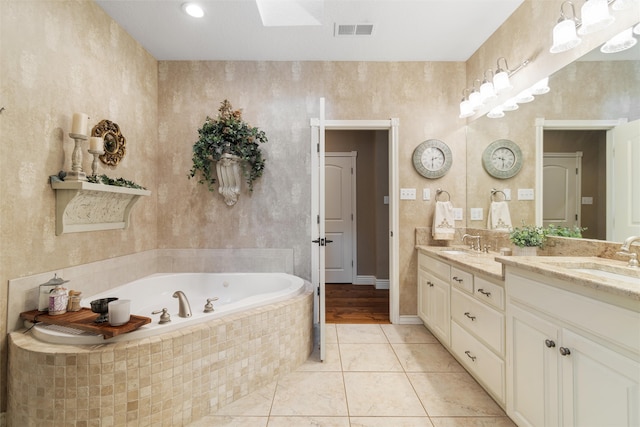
599	386
439	310
423	286
532	369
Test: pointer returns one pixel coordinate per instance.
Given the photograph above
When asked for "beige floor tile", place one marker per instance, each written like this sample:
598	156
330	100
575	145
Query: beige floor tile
360	334
426	358
453	394
230	421
472	422
369	357
330	363
308	422
254	404
310	393
331	335
381	394
408	334
390	422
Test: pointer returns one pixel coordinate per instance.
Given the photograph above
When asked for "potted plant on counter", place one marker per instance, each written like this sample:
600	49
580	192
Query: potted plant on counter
527	238
231	144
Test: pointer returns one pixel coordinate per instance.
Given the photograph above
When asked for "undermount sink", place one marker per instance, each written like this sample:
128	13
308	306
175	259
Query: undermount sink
454	252
625	276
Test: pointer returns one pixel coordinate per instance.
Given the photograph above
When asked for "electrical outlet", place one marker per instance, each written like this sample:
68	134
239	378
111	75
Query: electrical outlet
407	194
457	214
476	214
426	194
525	193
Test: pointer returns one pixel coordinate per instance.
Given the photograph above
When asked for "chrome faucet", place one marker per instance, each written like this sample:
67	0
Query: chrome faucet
625	249
184	307
472	246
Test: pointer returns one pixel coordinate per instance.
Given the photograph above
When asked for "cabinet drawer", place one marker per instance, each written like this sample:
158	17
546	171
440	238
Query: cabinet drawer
487	367
434	266
488	292
462	279
481	320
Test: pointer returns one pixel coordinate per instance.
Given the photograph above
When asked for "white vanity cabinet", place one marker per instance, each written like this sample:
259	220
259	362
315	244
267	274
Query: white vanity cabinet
433	296
466	313
572	360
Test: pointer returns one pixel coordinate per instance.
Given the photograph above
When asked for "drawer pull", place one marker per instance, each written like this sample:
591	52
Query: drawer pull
565	351
483	292
549	343
457	279
470	316
430	284
468	353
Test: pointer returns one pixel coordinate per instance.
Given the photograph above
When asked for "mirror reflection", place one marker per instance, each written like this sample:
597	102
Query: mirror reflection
574	125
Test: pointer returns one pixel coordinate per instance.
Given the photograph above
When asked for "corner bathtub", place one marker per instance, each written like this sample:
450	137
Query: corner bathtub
170	374
235	292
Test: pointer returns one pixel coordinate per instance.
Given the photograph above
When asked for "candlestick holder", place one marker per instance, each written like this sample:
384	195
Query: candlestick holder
76	173
94	164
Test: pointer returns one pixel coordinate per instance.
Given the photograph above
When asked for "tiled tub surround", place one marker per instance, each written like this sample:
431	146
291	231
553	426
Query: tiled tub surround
171	379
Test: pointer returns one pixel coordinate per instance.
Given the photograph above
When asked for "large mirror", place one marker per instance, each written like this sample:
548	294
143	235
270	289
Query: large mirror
586	100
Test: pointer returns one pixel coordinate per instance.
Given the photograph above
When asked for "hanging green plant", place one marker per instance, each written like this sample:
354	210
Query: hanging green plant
227	134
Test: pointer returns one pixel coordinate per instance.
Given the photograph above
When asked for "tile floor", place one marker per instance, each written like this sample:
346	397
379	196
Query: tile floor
373	376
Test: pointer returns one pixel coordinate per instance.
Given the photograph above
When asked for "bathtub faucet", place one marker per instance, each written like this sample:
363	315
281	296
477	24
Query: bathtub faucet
184	307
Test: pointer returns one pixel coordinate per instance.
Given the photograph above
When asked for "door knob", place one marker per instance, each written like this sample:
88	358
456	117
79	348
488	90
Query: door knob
549	343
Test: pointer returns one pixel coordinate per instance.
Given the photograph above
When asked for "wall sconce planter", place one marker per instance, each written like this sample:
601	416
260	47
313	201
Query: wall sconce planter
228	170
84	206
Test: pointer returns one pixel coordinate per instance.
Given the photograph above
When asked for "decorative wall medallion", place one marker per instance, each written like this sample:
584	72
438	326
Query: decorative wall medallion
432	158
502	159
114	142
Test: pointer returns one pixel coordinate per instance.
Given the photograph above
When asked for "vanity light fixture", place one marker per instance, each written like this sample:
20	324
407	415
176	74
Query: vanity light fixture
541	87
620	42
510	105
475	98
565	36
193	9
487	91
496	113
465	106
501	77
636	30
595	16
625	4
524	97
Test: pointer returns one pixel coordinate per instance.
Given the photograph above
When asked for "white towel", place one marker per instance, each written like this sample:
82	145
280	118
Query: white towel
499	217
443	221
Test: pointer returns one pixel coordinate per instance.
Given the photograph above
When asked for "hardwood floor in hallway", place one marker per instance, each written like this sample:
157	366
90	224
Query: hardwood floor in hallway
346	303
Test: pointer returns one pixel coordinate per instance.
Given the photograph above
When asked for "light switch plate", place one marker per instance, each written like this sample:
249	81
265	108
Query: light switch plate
507	193
385	200
407	194
457	214
587	200
476	214
426	194
525	193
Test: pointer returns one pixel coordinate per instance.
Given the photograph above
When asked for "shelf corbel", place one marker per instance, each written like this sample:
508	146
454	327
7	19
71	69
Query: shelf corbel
84	206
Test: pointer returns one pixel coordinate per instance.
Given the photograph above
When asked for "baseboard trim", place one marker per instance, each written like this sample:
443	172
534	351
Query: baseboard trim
365	280
382	284
409	320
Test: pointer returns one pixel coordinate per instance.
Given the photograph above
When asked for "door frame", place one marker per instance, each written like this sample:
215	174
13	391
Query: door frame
541	125
390	125
354	221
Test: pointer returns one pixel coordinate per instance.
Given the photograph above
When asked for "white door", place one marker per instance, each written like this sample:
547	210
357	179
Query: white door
339	217
561	189
623	186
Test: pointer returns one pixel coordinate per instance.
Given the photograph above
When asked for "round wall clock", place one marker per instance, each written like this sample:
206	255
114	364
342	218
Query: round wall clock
502	159
432	158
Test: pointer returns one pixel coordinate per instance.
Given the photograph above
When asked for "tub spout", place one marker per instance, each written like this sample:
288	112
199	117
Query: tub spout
184	307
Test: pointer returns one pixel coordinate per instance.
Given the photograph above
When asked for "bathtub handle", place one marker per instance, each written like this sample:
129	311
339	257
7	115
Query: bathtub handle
208	307
164	317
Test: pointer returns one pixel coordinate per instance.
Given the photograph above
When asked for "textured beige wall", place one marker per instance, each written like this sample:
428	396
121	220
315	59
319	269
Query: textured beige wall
280	98
58	58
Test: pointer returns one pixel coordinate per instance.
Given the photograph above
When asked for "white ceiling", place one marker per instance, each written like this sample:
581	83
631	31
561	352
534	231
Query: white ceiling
404	30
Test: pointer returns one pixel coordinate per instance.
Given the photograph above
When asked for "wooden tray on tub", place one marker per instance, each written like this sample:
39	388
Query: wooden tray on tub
84	320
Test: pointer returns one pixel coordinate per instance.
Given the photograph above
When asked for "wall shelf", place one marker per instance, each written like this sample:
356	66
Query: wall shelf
84	206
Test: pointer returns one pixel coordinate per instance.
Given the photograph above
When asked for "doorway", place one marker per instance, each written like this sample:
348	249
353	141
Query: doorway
357	222
562	182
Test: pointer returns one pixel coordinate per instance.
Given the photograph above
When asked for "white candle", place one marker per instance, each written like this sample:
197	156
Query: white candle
80	123
119	313
96	143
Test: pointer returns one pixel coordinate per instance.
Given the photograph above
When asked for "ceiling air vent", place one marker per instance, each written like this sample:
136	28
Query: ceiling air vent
353	30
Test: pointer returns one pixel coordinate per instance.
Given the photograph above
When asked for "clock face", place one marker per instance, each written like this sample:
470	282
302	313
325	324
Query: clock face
432	158
502	159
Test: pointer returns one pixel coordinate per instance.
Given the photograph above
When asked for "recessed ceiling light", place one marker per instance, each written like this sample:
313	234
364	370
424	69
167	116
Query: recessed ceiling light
193	9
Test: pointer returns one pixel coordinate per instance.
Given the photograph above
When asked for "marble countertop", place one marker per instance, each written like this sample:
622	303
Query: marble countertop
564	268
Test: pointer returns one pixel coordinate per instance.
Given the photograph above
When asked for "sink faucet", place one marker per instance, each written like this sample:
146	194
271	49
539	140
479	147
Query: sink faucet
184	307
472	246
625	249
